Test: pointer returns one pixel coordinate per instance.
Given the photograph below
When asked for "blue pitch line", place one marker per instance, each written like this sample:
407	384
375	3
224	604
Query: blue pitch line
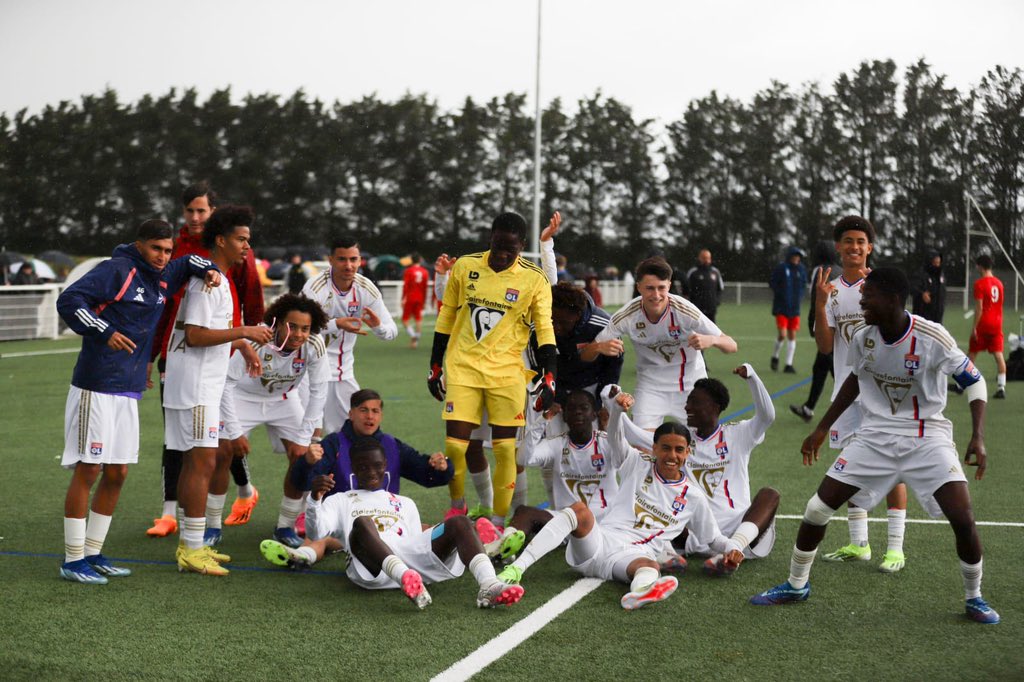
153	562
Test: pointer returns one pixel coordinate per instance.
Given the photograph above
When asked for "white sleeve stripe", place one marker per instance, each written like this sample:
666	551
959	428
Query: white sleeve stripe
89	321
198	261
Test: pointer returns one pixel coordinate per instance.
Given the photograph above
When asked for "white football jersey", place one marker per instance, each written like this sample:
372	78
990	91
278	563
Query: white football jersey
844	316
281	374
582	473
196	376
903	384
340	344
396	517
664	362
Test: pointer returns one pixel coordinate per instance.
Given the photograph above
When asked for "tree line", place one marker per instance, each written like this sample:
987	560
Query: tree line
740	178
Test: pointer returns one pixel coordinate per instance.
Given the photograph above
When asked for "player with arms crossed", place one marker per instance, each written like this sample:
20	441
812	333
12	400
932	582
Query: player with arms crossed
198	353
415	280
654	505
837	317
668	334
296	353
899	363
115	308
349	299
720	463
490	302
388	546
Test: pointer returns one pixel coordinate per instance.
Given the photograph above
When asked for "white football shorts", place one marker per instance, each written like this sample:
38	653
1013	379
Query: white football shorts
100	428
339	396
597	554
195	427
417	554
283	419
652	406
844	428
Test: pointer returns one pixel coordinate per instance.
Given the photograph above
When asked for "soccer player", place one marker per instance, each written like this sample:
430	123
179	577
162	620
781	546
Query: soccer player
654	505
823	257
899	364
198	353
199	201
987	333
668	334
491	300
583	468
788	280
414	296
115	308
296	353
837	317
387	544
720	463
350	300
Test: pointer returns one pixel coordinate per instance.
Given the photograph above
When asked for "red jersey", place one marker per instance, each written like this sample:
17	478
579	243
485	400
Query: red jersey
244	280
414	283
989	290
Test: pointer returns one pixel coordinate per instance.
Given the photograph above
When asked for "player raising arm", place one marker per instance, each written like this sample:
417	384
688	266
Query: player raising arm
899	363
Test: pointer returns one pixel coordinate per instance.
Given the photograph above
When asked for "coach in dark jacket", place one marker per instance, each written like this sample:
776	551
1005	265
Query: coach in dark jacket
930	289
703	285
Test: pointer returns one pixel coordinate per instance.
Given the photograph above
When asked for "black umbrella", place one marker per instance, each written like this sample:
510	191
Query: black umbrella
8	257
272	253
58	258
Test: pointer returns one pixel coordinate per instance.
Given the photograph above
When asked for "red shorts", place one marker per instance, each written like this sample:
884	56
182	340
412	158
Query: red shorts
783	322
412	308
990	342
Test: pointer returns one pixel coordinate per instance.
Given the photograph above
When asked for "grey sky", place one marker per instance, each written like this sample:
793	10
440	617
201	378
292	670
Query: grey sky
654	56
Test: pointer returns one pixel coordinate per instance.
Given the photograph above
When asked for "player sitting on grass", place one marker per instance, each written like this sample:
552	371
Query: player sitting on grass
654	505
720	464
899	363
115	308
387	545
297	352
583	470
330	463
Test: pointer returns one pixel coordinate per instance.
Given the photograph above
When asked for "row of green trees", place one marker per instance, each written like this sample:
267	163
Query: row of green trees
740	178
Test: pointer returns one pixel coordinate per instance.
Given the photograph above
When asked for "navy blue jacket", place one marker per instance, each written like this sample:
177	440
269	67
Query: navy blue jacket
124	294
411	464
788	282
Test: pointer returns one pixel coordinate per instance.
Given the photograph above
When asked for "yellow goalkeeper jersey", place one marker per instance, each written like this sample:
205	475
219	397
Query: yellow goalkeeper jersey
488	315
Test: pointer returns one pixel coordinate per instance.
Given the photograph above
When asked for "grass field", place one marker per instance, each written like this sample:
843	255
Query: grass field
261	623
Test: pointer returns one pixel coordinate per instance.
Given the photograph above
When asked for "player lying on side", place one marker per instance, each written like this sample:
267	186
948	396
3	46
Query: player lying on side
583	468
387	545
654	505
720	465
297	352
899	363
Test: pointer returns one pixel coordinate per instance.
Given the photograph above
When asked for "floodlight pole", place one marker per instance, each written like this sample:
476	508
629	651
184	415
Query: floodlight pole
535	232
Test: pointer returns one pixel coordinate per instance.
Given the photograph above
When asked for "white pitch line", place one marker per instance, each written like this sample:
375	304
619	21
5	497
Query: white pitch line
941	522
518	633
26	354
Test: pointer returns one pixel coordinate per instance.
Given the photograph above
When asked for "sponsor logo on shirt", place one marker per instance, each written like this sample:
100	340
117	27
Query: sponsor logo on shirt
869	343
473	274
641	325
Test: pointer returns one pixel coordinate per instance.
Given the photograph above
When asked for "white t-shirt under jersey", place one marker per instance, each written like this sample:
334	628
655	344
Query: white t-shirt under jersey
664	362
196	376
844	316
903	384
341	344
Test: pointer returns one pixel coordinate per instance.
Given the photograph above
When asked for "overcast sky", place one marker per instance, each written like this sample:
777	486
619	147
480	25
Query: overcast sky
654	56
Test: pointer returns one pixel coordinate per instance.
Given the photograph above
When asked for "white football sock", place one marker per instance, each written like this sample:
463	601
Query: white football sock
550	536
778	347
170	508
483	486
214	510
74	539
1001	381
96	532
972	579
245	491
394	567
897	525
483	570
745	534
800	566
290	510
643	579
308	553
192	529
858	520
790	352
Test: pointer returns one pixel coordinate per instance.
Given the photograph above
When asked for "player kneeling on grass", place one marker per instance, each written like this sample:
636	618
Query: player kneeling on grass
115	308
389	549
899	363
654	505
719	465
296	352
583	469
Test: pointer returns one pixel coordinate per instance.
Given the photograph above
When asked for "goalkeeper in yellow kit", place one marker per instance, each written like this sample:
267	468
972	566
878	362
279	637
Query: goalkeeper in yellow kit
490	303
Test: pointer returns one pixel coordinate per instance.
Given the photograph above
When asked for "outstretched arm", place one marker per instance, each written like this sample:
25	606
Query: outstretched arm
764	409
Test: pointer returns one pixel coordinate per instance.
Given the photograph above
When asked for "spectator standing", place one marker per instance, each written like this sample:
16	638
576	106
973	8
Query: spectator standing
296	275
26	274
930	289
593	290
788	281
704	285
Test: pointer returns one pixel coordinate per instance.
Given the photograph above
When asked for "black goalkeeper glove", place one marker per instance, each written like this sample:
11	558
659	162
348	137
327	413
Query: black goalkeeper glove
435	382
543	390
